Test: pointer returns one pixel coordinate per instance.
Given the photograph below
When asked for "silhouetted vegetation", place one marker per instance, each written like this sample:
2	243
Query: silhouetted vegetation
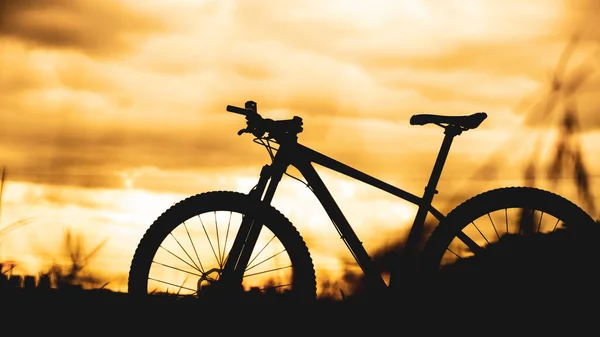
536	270
385	259
75	273
556	263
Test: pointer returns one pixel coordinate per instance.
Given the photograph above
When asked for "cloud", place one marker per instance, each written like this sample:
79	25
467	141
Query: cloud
89	151
581	16
98	28
418	56
354	79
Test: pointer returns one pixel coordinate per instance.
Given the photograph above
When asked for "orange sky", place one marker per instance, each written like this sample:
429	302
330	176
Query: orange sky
111	111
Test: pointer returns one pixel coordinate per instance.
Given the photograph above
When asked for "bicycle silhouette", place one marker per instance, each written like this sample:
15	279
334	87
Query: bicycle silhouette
224	242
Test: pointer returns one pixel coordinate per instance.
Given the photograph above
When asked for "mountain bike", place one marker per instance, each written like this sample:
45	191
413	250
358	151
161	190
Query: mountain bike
225	242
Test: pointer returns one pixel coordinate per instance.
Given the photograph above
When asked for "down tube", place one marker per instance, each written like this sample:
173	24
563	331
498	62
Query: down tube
339	221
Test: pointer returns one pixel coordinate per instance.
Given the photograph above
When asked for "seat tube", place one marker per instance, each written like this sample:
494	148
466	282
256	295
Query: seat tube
430	190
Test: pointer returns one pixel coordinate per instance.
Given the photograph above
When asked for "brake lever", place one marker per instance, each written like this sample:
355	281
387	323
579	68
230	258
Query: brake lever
247	129
252	126
256	132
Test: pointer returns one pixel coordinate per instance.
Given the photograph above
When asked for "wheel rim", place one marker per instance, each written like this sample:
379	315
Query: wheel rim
190	259
496	225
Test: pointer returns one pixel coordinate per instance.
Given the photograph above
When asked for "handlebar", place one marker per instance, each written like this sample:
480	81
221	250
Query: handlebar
260	126
249	109
237	110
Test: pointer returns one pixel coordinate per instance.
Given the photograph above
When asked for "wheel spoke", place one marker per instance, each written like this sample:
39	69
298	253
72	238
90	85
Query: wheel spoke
223	259
209	241
506	219
492	221
453	253
267	271
555	225
193	247
265	260
182	260
218	241
175	268
481	233
540	222
473	246
185	251
260	251
172	284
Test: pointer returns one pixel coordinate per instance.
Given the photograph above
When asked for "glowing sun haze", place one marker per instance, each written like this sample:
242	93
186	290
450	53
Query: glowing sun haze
111	111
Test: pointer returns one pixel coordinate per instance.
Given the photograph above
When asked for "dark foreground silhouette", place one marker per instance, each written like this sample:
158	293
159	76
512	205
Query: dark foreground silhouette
553	269
539	281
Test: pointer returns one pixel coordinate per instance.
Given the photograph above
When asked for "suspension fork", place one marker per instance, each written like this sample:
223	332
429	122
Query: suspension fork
250	228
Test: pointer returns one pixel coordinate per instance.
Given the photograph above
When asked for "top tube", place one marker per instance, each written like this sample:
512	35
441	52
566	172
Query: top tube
310	155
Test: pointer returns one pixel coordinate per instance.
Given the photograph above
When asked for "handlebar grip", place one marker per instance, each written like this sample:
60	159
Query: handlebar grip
238	110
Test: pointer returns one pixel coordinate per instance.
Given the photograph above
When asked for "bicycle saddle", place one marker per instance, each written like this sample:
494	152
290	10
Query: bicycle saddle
464	122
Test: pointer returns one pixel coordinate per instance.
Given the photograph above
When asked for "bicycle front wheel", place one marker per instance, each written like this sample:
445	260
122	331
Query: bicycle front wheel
184	251
486	218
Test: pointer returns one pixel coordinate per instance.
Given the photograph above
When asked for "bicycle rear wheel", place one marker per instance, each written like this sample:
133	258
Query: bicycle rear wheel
184	251
483	220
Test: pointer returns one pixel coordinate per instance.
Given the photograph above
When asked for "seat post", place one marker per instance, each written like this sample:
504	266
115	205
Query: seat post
416	231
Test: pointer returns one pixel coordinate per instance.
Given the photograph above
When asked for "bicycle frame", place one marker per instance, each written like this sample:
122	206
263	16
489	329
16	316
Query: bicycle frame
302	158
